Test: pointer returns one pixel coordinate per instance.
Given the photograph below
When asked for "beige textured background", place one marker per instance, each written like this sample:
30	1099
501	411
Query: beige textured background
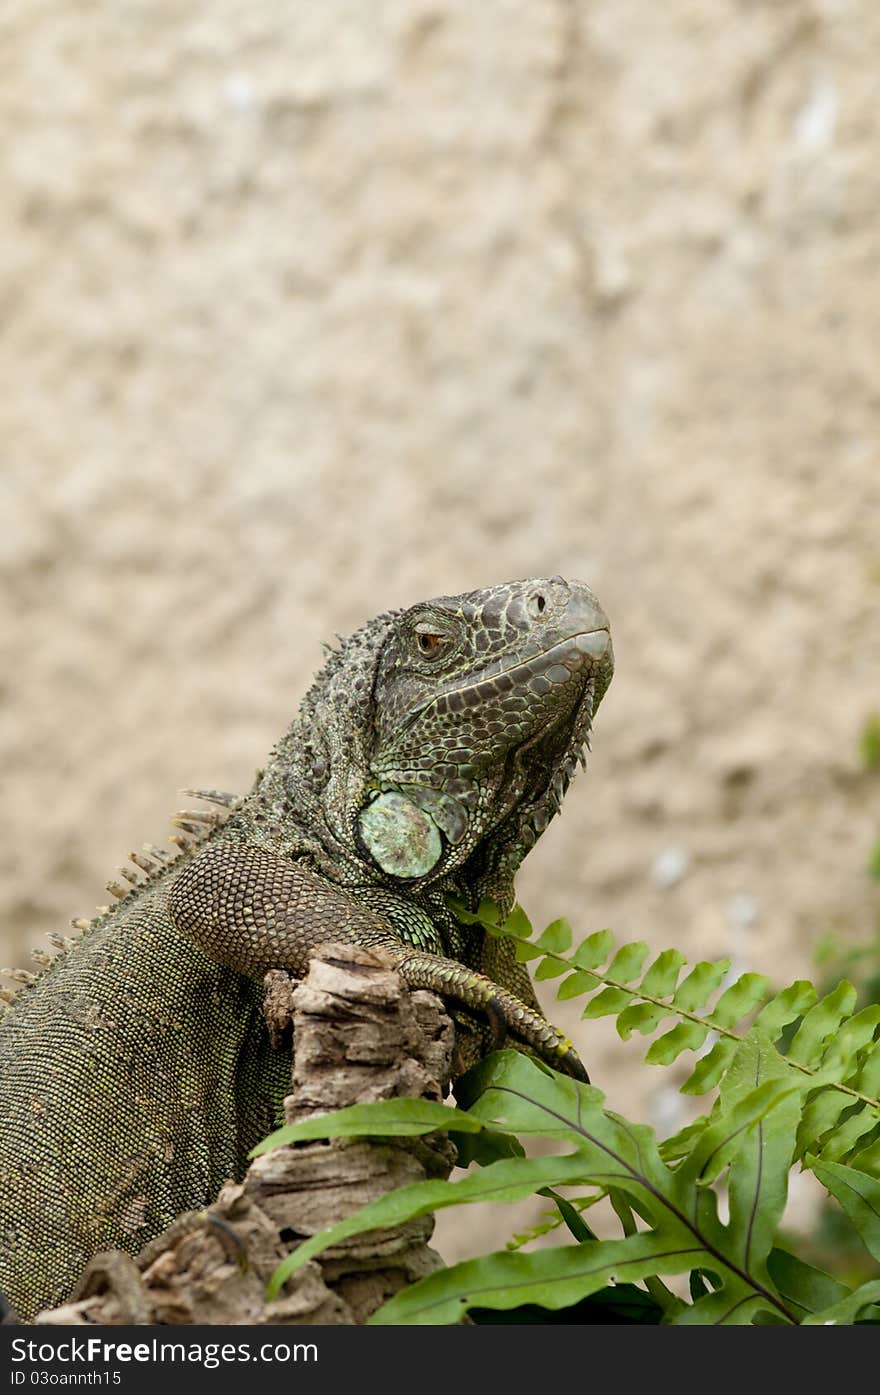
310	310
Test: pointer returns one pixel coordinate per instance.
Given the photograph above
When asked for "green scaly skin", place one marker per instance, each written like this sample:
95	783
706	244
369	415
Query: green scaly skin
136	1072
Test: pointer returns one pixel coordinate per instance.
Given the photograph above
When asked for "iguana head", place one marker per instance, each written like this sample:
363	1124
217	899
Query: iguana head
443	737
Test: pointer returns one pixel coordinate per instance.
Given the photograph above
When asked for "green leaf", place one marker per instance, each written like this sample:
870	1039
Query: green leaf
739	1000
640	1017
516	924
485	1147
511	1179
550	968
512	1091
858	1194
801	1285
679	1144
576	983
868	1078
381	1119
847	1310
724	1138
487	914
758	1183
556	938
841	1142
729	1307
594	950
552	1220
627	962
849	1039
662	976
553	1278
614	1304
867	1159
609	1001
820	1023
701	982
786	1007
821	1113
525	950
710	1068
570	1215
687	1036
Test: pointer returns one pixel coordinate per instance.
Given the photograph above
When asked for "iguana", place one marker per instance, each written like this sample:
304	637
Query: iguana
433	748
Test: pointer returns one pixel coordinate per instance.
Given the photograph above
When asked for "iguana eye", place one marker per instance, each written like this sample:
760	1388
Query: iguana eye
430	643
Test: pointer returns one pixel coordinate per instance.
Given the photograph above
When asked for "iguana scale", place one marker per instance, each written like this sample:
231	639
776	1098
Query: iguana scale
433	748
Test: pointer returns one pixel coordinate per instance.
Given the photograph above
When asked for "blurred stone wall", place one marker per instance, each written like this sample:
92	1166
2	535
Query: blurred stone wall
312	310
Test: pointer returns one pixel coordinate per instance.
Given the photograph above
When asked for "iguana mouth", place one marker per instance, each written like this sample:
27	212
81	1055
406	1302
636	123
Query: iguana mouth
538	674
547	669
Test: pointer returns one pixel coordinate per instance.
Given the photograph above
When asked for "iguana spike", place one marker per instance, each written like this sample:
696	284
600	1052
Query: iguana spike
221	797
182	842
59	941
116	890
196	819
41	957
160	854
20	976
198	830
129	875
102	910
146	864
7	995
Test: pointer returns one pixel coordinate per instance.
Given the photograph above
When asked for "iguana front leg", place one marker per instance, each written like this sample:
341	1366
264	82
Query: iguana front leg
253	911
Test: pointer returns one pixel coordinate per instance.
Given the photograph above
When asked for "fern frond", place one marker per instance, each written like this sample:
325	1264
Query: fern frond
834	1045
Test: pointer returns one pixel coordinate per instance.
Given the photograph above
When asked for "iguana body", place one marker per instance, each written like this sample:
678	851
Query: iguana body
136	1072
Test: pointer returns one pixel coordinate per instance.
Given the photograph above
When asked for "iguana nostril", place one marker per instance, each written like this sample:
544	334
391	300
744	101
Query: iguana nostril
537	604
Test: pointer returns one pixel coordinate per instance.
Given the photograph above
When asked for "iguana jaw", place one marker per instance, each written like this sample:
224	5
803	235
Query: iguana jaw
561	665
